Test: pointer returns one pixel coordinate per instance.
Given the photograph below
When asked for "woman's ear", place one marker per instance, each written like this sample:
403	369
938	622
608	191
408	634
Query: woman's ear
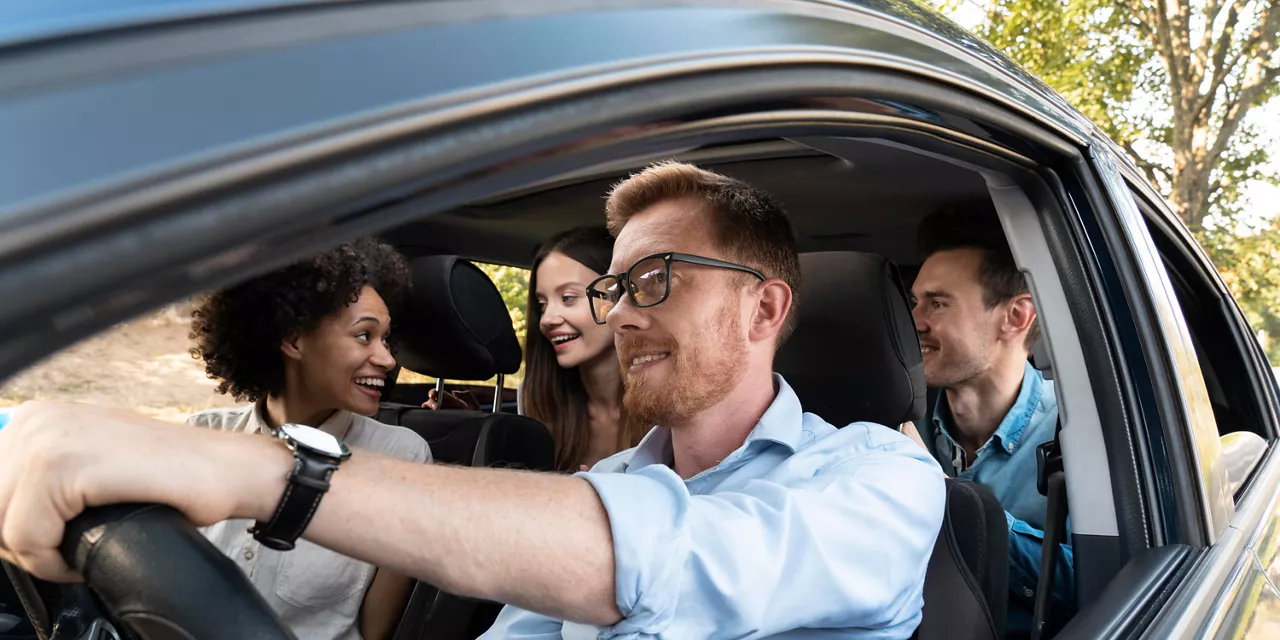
291	347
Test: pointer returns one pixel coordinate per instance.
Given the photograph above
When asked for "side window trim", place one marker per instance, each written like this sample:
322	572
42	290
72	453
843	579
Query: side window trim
1189	381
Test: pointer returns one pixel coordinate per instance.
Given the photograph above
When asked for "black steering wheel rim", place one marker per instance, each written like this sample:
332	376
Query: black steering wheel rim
153	573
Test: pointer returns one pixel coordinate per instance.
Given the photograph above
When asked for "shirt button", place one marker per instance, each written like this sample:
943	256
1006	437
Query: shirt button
248	554
1026	591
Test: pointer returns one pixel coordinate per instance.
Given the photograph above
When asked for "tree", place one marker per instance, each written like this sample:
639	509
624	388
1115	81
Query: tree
513	284
1173	82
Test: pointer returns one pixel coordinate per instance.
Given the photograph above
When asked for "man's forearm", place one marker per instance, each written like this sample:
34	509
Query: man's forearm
539	541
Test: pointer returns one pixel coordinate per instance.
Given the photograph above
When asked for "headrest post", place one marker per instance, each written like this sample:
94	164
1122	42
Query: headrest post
439	388
497	394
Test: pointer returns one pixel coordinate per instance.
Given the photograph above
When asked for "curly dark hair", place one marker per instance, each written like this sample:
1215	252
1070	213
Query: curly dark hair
238	331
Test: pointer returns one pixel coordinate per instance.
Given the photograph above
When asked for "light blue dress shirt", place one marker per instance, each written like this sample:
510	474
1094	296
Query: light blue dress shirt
805	531
1006	464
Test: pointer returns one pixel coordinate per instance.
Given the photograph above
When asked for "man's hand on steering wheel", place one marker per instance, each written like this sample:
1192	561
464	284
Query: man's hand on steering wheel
52	468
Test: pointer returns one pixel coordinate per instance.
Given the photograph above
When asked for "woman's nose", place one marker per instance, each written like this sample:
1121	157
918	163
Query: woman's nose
383	358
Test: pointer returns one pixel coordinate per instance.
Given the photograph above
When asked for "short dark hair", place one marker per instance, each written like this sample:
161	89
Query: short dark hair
749	224
978	228
238	331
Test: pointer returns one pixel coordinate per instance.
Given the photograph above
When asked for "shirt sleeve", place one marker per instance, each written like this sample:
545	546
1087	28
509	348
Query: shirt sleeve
844	547
1025	546
515	623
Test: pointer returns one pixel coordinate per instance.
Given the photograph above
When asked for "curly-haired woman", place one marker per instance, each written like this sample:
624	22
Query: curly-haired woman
308	344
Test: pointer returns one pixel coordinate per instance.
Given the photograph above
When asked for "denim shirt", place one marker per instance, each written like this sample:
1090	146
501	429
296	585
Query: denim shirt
804	531
1006	464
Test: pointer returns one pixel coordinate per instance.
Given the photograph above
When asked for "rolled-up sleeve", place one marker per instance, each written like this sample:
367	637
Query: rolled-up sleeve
846	547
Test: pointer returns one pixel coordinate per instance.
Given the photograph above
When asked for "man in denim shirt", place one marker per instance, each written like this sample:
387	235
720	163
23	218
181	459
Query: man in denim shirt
977	322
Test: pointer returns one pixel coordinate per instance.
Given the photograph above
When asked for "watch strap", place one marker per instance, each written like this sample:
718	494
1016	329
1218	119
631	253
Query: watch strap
308	482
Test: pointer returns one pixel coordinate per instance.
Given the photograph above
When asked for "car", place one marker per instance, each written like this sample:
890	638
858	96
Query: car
156	149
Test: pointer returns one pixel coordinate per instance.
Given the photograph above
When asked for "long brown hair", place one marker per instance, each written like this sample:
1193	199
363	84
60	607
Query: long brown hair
554	395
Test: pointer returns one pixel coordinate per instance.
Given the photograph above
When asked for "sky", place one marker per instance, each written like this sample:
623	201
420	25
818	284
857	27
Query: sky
1261	200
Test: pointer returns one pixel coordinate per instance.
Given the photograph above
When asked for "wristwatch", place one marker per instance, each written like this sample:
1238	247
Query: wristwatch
316	455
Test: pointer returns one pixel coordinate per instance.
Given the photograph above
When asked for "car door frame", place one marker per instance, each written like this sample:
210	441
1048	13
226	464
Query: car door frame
1222	573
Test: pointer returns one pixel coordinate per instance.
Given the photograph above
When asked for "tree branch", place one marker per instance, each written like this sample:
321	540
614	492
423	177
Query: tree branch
1211	12
1261	43
1237	109
1151	169
1181	33
1163	38
1221	70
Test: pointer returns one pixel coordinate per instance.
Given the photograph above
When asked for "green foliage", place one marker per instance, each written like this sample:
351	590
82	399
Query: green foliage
1081	48
513	284
1169	82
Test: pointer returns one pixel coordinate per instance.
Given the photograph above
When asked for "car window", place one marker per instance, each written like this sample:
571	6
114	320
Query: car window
1236	375
144	364
1223	342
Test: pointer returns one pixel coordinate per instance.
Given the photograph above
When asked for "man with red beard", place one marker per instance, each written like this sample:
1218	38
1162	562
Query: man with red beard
738	516
976	321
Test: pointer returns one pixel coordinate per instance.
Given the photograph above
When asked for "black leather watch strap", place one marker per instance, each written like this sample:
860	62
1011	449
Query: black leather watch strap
308	483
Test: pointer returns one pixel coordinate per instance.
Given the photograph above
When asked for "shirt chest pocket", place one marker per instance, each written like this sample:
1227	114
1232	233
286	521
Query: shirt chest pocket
314	577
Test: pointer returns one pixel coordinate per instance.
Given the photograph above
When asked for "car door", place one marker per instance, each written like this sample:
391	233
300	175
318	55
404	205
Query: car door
1209	379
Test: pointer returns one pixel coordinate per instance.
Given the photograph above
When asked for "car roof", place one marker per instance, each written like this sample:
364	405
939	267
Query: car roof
28	21
24	22
97	96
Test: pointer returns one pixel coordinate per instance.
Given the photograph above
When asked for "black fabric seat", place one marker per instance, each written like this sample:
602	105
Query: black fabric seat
456	327
967	583
855	357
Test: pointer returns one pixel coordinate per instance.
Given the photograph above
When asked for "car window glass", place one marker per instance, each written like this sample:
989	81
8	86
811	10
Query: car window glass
144	365
1218	335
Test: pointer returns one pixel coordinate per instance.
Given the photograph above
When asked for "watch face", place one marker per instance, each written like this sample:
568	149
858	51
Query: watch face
314	439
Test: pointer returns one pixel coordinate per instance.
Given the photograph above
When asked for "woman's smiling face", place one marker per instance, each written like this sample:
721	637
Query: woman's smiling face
565	314
345	360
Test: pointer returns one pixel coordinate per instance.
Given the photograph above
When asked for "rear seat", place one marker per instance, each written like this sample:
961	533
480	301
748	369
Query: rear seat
456	327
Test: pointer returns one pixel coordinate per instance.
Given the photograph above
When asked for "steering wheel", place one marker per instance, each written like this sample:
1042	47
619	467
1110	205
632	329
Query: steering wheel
158	578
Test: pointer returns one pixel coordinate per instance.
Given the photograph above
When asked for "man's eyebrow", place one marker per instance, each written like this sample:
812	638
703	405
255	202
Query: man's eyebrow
934	293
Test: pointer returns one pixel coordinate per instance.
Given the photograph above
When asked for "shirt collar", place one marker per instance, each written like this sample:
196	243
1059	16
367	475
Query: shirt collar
338	423
782	423
1015	422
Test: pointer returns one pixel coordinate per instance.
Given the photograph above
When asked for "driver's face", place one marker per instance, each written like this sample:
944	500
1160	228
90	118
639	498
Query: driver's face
680	357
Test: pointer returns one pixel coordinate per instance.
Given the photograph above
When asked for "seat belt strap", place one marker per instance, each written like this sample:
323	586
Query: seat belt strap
1052	483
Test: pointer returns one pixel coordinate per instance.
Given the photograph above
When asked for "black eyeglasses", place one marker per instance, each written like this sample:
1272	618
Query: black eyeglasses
647	282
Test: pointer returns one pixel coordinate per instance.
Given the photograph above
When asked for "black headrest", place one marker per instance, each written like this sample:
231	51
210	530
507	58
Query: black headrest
455	325
854	356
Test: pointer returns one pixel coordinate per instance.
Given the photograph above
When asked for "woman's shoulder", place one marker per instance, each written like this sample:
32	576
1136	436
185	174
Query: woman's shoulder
392	440
225	419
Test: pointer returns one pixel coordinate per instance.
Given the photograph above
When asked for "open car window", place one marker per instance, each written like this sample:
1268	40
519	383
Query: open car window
144	364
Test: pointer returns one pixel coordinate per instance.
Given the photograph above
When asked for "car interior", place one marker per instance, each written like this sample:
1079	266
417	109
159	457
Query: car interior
845	364
856	204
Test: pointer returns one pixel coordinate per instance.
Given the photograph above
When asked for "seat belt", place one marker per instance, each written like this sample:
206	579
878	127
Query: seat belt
1051	482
